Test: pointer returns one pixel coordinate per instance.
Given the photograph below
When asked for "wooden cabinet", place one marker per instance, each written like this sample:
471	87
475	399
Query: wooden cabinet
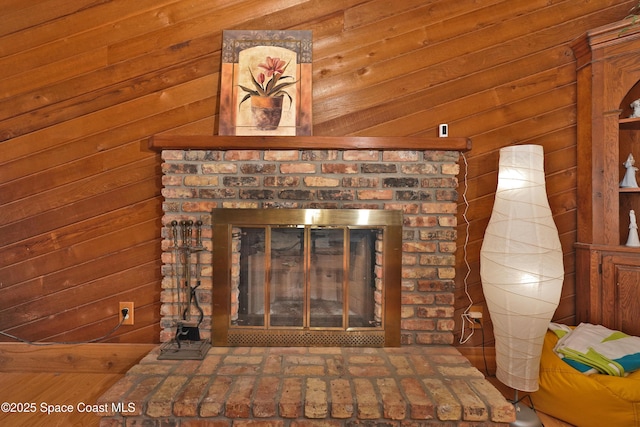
607	271
610	294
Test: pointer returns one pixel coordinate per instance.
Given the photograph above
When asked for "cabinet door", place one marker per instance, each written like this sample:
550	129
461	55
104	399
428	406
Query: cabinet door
621	293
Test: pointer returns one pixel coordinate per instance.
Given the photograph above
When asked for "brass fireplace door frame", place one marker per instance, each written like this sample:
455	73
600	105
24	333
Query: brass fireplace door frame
385	335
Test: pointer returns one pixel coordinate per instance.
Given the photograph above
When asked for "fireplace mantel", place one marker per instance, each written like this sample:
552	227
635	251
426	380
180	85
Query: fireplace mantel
218	142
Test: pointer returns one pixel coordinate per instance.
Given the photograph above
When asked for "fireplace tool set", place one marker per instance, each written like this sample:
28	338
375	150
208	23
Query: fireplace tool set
186	343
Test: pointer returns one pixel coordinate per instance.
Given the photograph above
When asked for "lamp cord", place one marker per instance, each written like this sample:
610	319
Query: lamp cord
465	315
107	335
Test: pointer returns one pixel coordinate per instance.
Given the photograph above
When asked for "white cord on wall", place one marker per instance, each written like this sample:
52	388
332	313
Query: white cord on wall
465	315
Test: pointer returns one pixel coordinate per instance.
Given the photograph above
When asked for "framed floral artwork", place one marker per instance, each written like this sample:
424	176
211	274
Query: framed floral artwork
265	83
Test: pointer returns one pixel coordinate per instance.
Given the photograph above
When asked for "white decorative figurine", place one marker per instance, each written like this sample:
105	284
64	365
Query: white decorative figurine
633	239
629	180
636	109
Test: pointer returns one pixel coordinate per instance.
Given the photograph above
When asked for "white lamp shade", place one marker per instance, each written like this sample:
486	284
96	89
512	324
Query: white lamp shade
521	266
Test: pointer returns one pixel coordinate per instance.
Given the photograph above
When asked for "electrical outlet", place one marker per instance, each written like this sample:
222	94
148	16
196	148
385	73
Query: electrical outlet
129	306
475	314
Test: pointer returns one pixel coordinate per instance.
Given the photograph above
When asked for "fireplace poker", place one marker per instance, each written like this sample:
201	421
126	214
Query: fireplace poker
186	247
176	255
192	296
199	247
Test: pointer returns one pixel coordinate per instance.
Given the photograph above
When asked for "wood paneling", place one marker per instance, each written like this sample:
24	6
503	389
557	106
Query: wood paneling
81	358
84	84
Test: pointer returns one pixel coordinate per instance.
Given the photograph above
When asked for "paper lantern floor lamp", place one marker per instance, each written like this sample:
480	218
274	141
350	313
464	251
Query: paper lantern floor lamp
521	270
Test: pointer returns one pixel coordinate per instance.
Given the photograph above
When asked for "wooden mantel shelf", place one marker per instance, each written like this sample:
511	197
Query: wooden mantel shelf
217	142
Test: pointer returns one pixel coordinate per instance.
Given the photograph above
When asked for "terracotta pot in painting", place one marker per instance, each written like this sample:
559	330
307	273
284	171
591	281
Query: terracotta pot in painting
266	111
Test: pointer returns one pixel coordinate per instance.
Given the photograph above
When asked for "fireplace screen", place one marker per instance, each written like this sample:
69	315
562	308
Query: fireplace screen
306	277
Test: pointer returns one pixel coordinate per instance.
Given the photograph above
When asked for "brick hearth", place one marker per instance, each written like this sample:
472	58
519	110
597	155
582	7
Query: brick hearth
261	386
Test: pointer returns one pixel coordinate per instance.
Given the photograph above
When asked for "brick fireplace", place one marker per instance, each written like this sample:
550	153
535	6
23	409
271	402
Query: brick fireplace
420	182
424	382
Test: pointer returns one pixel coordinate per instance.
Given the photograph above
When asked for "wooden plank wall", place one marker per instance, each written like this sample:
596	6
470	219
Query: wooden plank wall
84	83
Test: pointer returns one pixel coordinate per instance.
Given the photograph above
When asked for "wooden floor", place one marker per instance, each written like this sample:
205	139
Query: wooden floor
40	388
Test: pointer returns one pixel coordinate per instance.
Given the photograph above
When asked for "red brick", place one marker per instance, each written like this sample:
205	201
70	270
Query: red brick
368	371
431	259
393	405
264	404
375	194
435	312
447	221
186	403
419	273
420	405
359	182
431	338
367	406
319	181
361	155
417	299
341	398
201	181
178	193
421	221
450	169
420	247
315	402
281	155
173	154
238	404
418	324
209	364
272	364
501	410
433	208
236	155
290	404
161	402
401	364
420	169
341	168
304	168
366	359
219	168
213	403
400	156
473	409
198	206
447	407
304	370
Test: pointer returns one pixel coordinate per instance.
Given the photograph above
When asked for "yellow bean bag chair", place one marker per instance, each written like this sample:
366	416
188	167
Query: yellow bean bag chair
585	400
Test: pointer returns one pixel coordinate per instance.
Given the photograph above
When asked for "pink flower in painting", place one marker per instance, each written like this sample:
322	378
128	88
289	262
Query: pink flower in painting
270	82
273	65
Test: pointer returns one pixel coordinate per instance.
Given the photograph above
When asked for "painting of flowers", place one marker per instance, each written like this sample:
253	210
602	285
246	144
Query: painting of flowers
266	83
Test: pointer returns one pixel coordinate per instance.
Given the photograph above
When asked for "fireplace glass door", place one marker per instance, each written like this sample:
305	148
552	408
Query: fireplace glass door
307	277
305	283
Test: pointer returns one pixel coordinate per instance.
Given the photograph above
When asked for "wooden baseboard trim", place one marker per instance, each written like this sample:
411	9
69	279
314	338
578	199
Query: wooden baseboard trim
90	358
